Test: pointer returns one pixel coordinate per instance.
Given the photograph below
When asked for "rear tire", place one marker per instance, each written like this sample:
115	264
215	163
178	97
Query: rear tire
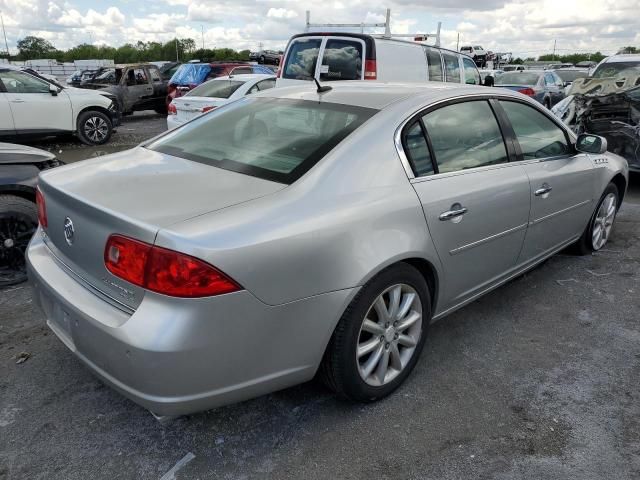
94	127
18	222
349	366
590	241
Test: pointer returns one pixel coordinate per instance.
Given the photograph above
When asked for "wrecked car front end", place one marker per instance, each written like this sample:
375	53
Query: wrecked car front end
609	107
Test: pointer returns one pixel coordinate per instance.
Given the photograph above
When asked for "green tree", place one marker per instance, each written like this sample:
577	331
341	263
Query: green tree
629	50
32	47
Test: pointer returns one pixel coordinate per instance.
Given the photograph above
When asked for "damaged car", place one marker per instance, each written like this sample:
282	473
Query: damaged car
135	86
608	104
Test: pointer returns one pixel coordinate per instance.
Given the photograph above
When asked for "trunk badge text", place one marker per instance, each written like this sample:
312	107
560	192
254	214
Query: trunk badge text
69	231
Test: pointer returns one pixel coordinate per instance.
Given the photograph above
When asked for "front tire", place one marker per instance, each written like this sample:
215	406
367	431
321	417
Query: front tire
18	222
378	340
599	228
94	128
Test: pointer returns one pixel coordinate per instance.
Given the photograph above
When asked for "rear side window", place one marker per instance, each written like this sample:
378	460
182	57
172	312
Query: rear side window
301	59
452	67
538	136
341	60
465	135
271	138
471	74
435	65
418	150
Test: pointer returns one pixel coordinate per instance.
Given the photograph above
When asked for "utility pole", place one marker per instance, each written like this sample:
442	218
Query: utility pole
458	43
554	50
202	30
6	44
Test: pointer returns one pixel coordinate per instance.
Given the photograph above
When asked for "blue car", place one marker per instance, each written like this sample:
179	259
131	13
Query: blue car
542	85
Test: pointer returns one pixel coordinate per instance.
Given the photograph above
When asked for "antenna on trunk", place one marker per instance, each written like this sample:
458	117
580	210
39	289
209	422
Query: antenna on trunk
321	88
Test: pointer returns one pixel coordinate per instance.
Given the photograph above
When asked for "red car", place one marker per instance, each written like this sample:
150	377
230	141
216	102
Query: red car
190	75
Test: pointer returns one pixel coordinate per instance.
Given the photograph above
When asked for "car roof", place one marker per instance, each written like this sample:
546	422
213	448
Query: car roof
378	95
623	57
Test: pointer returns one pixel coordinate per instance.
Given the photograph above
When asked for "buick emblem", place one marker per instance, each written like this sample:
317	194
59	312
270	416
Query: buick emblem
69	231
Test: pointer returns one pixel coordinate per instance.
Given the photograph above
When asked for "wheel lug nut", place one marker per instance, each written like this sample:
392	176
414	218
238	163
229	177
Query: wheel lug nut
395	324
396	336
386	325
382	338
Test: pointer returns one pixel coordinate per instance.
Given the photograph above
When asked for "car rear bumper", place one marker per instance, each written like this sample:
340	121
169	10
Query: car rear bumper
177	356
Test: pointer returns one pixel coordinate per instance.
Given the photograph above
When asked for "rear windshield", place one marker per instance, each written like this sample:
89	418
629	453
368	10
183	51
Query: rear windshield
215	88
341	60
517	78
301	59
275	139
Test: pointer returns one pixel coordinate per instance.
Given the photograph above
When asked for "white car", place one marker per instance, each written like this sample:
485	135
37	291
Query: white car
32	106
476	52
214	94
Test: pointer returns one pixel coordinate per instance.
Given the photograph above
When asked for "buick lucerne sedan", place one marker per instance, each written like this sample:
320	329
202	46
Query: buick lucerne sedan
296	232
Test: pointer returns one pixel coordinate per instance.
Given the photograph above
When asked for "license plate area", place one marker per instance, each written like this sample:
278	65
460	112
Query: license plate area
58	320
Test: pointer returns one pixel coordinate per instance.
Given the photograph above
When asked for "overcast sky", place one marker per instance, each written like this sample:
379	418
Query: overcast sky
524	27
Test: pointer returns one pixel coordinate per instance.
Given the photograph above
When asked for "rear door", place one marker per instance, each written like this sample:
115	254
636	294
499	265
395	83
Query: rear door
561	179
475	202
33	107
328	58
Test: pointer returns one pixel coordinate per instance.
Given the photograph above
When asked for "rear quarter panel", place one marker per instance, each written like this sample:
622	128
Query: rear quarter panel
349	217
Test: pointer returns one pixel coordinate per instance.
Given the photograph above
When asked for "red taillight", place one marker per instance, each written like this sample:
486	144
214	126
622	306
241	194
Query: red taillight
530	92
164	271
42	208
279	72
171	109
370	70
207	109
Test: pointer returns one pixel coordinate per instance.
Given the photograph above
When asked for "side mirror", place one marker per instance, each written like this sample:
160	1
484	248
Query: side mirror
587	143
53	90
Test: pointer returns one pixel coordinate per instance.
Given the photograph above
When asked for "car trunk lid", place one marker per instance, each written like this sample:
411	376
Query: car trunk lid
188	107
133	193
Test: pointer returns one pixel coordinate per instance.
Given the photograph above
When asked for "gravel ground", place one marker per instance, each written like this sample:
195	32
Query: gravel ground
537	380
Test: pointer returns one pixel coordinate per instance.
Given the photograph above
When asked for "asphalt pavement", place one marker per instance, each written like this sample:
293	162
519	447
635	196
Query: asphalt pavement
536	380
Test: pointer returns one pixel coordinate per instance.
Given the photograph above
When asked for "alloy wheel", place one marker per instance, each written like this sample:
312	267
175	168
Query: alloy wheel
389	334
603	222
96	129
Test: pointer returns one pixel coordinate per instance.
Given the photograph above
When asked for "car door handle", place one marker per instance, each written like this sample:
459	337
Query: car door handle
542	190
17	100
449	214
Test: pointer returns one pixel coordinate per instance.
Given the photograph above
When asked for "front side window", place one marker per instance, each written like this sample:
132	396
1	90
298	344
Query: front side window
538	136
452	67
418	150
155	75
18	82
435	65
270	138
465	135
471	74
301	59
341	60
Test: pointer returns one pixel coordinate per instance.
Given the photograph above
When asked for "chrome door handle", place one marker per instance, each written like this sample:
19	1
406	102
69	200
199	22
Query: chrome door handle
449	214
542	190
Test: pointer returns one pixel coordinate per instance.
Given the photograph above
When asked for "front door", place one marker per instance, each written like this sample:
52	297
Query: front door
561	180
32	105
475	202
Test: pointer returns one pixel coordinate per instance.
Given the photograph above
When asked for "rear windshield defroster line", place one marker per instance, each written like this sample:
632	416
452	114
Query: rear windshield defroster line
269	138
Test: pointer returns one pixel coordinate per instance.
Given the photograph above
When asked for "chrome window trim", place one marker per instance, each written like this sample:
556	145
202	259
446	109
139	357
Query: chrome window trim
397	136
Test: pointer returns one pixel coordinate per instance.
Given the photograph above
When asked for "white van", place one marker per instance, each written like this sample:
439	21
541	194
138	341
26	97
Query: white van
352	56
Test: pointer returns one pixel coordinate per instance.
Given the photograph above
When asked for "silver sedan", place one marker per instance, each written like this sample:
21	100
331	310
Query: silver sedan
299	232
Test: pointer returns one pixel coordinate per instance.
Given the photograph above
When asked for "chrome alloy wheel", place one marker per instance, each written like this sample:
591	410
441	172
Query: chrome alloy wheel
389	334
96	129
603	223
